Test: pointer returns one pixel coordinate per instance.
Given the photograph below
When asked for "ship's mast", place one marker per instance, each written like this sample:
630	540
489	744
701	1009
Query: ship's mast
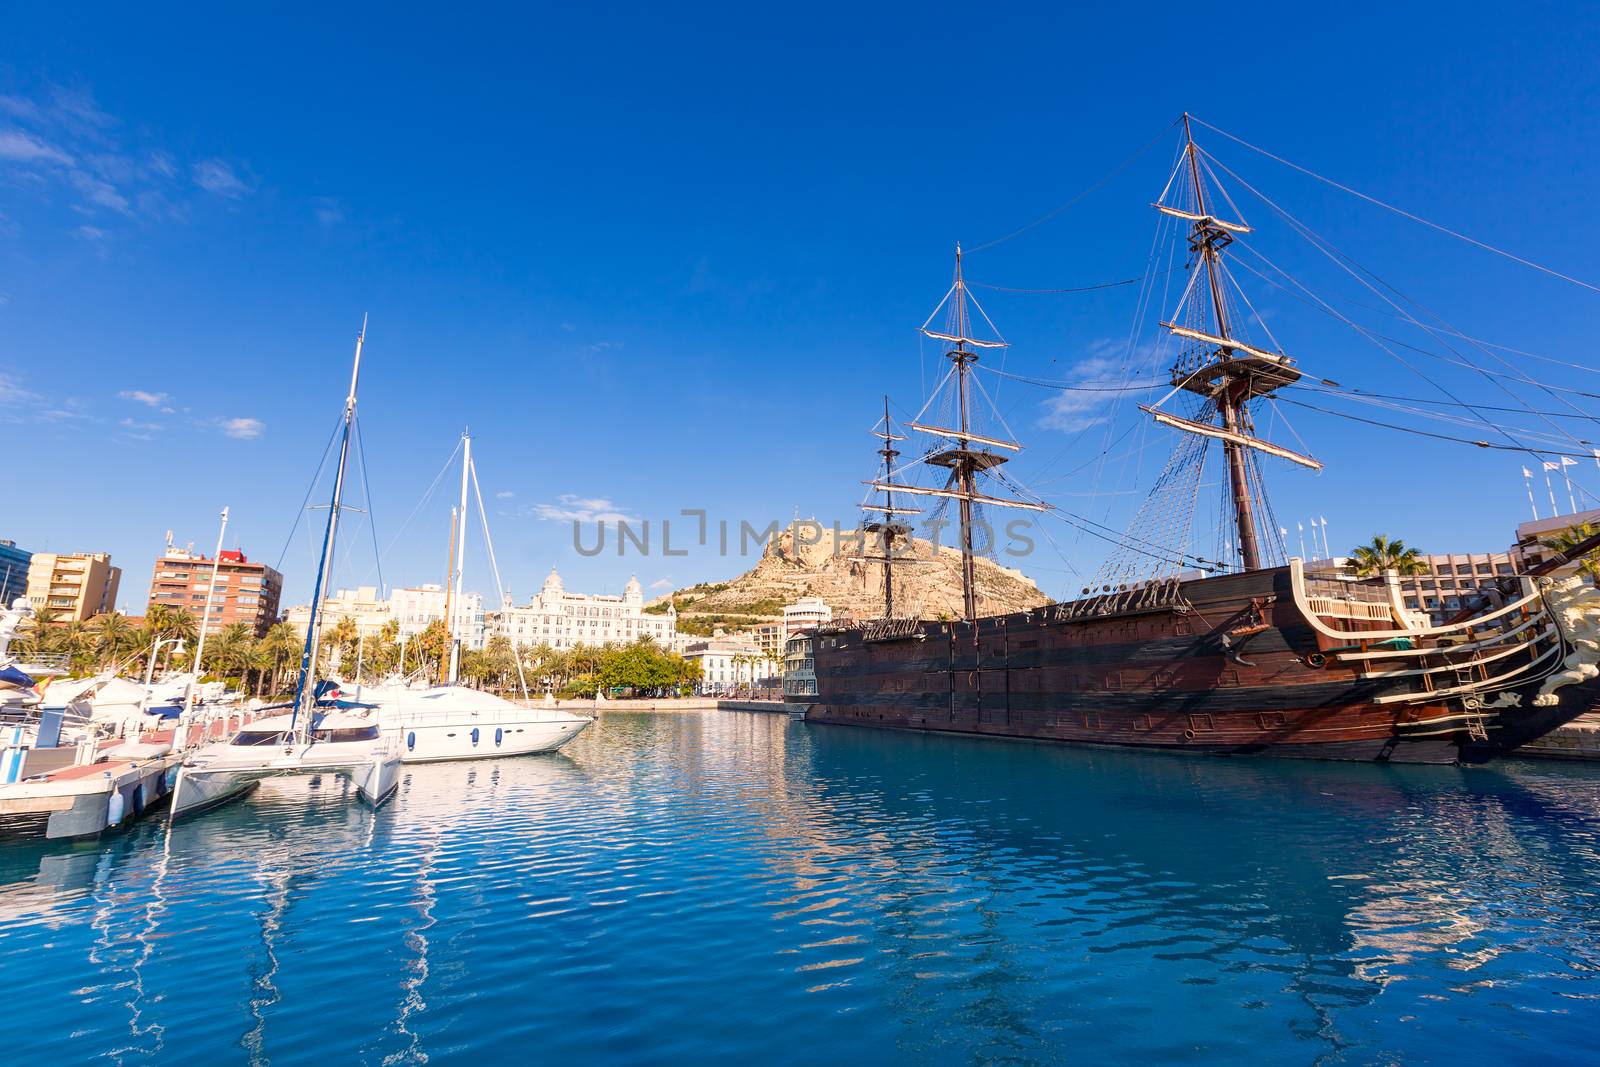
890	531
964	461
1216	362
1208	239
963	360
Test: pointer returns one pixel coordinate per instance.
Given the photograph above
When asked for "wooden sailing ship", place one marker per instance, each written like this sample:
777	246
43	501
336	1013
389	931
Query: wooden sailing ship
1257	657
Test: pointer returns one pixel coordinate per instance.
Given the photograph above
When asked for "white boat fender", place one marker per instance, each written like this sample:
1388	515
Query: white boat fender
114	808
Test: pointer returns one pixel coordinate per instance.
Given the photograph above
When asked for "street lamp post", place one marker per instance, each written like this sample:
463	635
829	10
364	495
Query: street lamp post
150	667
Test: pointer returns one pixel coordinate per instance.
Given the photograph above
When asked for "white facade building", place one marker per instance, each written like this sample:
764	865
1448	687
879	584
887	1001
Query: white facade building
360	605
726	662
804	614
414	608
562	620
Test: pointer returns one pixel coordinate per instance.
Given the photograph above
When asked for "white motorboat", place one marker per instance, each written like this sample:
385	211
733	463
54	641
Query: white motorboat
336	743
448	721
454	722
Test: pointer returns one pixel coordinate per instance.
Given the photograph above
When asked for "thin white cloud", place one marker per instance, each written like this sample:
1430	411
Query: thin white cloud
242	428
17	395
1075	410
90	233
19	107
661	583
150	400
327	210
98	192
215	176
135	424
19	147
504	494
570	508
61	136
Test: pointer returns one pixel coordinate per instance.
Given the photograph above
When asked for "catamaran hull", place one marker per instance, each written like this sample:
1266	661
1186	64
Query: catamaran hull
202	786
466	740
1166	679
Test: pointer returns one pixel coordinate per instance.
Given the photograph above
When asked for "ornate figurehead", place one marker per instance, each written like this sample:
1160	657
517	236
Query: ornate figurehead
1575	604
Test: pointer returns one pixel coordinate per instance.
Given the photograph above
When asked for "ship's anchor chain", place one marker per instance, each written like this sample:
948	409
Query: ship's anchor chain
1254	621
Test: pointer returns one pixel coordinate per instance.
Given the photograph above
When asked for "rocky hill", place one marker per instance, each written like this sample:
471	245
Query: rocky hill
815	563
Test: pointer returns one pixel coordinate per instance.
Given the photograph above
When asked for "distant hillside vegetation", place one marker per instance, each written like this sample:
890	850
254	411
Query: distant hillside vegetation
788	571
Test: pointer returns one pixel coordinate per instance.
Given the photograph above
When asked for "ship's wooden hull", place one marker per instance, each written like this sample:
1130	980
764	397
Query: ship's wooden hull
1163	679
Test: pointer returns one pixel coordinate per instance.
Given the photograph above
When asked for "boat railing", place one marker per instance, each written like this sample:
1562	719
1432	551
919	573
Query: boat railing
42	662
490	716
1529	601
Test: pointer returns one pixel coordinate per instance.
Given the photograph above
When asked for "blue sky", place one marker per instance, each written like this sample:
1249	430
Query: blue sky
671	258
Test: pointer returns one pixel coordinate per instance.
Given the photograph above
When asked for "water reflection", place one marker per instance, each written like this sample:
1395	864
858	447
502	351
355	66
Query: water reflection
709	886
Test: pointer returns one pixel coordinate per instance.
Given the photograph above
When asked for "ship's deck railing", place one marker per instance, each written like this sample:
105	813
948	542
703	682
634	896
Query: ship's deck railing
1459	653
1360	610
1530	601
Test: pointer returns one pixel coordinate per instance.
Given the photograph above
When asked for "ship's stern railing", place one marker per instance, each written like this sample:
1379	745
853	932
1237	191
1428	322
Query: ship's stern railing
1517	643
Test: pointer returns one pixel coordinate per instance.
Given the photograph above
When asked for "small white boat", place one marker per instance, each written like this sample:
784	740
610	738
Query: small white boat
338	743
454	722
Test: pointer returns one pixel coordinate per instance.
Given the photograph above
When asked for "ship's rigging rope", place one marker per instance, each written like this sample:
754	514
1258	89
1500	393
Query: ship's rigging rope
1401	211
371	519
1537	453
1356	270
1268	279
311	488
1053	212
1076	289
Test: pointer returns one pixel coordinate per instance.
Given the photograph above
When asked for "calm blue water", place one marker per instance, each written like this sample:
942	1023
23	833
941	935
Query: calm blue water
722	887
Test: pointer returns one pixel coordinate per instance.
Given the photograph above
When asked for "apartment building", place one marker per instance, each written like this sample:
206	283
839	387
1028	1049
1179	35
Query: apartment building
75	587
246	591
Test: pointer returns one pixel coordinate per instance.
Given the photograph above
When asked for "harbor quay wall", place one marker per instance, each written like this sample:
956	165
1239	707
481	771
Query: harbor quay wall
663	704
1577	740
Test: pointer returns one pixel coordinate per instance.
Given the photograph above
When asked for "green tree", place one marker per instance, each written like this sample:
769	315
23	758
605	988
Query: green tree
283	647
113	635
78	642
231	653
1383	554
40	634
432	646
1571	538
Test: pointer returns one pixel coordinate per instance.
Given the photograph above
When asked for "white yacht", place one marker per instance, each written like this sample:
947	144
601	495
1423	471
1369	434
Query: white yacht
454	722
448	721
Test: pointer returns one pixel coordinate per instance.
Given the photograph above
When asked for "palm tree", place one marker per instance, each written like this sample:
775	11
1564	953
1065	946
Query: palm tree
39	634
1383	554
78	643
282	646
232	652
342	639
113	635
1568	539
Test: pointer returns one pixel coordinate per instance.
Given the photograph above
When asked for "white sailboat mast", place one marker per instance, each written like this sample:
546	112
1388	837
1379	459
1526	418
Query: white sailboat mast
192	693
305	695
461	562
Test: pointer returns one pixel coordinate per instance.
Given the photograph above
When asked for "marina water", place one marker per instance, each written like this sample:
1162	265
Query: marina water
731	887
